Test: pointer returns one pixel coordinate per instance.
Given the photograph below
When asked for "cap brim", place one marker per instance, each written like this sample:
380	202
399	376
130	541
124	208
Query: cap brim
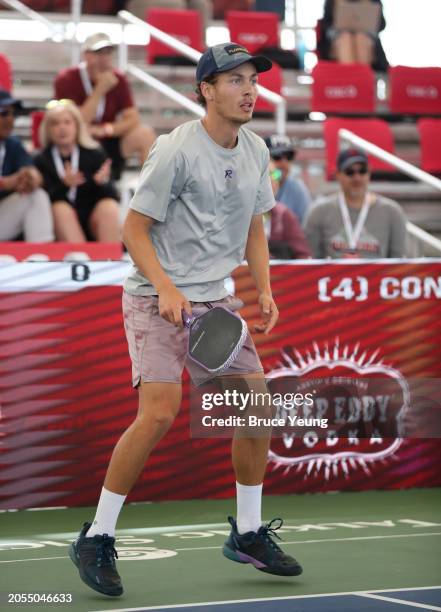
262	64
281	150
11	102
353	160
100	45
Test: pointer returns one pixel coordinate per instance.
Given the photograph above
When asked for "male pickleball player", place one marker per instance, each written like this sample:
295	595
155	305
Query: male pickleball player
198	210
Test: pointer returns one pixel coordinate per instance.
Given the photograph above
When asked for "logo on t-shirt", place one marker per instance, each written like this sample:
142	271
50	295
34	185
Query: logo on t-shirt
228	173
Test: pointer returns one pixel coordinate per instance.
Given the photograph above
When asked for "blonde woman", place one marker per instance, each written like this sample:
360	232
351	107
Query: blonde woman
76	174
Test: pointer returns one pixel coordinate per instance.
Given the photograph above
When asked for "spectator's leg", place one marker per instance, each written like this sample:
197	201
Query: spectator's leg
12	212
104	221
364	48
38	219
138	142
344	51
67	225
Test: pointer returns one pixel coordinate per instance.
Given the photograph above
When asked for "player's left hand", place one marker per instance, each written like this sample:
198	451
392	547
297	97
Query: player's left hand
269	313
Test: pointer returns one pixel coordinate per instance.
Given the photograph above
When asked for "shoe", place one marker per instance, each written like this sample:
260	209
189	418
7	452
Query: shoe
95	560
260	549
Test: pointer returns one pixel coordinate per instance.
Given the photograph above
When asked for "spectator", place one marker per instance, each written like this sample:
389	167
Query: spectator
106	103
286	239
355	222
292	191
76	175
24	206
348	47
204	7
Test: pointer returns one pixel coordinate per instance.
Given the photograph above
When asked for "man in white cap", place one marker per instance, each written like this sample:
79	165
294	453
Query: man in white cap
106	102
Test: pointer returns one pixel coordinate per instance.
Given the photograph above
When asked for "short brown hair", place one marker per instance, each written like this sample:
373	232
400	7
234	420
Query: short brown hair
211	80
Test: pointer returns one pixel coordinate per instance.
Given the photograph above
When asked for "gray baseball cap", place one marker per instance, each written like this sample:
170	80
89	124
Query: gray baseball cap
227	56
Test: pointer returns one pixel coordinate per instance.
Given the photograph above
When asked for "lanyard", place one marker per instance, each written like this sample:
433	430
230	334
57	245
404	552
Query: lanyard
353	234
59	167
2	157
88	89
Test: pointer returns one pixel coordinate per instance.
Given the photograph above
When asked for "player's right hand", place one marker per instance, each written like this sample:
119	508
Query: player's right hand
171	304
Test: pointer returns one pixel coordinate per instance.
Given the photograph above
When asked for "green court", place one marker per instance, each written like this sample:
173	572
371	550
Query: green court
170	554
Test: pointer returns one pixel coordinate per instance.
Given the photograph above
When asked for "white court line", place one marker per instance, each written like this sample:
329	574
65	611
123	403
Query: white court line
258	599
404	535
402	602
354	539
37	559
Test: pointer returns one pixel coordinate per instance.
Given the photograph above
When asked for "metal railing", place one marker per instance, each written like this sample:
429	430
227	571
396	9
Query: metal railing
56	32
194	55
417	234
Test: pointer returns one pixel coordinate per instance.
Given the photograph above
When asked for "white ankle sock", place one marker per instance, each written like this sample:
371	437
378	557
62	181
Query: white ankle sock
249	507
107	512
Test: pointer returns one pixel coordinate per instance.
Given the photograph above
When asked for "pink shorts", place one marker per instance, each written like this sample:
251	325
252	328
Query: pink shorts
158	349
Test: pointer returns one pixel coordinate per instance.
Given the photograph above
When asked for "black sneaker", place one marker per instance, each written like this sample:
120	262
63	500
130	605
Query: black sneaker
95	560
260	549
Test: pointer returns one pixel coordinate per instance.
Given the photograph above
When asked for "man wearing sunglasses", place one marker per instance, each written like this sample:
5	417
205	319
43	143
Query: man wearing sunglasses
24	207
355	222
292	191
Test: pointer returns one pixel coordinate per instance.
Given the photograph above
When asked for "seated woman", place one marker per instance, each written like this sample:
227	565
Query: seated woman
286	239
76	175
349	47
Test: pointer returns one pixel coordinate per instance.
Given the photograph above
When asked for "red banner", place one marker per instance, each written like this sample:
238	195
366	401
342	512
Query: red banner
66	397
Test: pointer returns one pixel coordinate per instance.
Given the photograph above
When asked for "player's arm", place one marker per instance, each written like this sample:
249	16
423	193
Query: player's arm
136	237
257	256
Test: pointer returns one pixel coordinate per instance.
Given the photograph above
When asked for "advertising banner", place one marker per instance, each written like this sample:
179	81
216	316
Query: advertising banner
355	358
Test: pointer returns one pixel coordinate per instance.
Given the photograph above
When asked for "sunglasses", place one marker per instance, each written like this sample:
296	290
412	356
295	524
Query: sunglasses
276	174
289	156
7	112
55	103
352	171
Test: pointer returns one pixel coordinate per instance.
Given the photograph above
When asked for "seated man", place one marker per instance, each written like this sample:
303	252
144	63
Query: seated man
24	207
355	222
106	102
292	191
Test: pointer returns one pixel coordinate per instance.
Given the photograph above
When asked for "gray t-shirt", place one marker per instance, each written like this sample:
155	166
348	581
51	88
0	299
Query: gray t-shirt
383	234
203	197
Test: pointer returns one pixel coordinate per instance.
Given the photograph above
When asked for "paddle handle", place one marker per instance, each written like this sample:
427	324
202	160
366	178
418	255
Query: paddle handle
187	319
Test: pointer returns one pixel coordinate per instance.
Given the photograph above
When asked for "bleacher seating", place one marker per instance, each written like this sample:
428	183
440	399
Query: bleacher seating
343	88
5	73
430	138
185	25
272	79
253	30
36	119
415	91
376	131
259	33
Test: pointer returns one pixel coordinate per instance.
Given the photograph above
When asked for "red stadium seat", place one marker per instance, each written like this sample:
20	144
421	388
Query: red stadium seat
36	119
253	30
186	26
343	88
430	137
5	73
272	79
415	90
376	131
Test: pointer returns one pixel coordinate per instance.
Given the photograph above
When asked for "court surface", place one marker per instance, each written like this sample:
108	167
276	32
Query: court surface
372	551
